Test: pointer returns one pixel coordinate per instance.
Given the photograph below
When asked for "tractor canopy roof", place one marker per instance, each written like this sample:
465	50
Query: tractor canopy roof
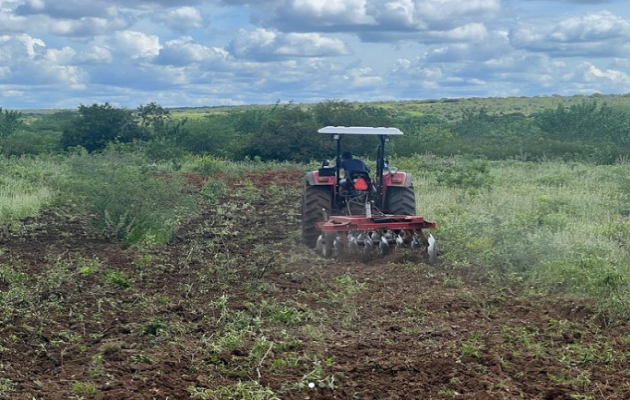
359	130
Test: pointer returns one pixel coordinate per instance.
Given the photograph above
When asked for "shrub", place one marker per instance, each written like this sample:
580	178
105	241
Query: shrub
473	176
128	201
25	142
98	125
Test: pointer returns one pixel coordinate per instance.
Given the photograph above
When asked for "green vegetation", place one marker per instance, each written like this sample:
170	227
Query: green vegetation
594	129
558	225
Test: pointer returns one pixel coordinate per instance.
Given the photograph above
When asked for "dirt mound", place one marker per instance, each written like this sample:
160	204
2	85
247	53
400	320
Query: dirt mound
236	308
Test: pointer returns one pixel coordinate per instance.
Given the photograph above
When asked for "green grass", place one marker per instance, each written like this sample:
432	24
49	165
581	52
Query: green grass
25	186
559	226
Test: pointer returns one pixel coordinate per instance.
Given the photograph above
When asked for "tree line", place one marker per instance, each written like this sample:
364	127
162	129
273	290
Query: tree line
590	130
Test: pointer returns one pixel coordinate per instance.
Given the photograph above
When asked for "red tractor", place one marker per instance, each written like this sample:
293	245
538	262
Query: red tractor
362	214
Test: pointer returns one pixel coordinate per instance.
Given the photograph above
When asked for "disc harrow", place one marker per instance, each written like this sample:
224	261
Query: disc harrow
372	237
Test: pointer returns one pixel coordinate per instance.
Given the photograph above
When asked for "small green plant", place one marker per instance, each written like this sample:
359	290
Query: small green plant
144	261
6	386
88	267
238	391
142	359
470	348
97	369
213	190
344	294
84	388
155	327
118	278
452	281
289	313
318	378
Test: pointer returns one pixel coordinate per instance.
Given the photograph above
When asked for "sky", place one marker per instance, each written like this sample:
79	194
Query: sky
193	53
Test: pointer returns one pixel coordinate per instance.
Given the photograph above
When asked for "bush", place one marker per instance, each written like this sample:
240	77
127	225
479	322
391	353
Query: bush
128	201
31	143
97	126
473	176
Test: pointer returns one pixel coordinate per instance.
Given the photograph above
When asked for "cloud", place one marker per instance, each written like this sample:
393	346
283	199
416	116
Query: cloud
598	34
76	9
67	9
182	19
579	1
489	45
27	61
588	74
95	54
135	44
86	26
362	16
266	45
185	51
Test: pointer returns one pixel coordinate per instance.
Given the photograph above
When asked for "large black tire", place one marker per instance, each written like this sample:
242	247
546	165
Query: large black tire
401	201
314	199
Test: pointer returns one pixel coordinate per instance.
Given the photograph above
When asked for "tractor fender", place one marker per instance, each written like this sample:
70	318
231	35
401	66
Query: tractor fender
314	179
398	179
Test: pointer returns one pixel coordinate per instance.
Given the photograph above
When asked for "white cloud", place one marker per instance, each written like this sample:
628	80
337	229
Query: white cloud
28	61
593	74
77	9
593	27
185	51
325	13
495	44
473	32
20	46
67	9
182	19
362	79
588	78
86	26
600	34
136	44
266	45
589	73
377	16
95	54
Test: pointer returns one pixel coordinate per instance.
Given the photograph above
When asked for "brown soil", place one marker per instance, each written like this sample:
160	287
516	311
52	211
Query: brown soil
96	320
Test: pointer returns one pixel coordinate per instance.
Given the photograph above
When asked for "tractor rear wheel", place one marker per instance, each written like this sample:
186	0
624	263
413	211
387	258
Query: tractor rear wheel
401	201
314	200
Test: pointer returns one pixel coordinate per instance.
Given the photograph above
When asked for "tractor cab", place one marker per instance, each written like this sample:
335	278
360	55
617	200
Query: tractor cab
356	188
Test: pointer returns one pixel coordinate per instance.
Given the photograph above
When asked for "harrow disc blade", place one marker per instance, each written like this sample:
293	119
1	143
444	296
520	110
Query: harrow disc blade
368	246
329	244
319	245
383	247
339	248
432	250
353	245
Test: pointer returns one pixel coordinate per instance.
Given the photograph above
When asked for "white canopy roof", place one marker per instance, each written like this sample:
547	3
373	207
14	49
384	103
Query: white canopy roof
359	130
